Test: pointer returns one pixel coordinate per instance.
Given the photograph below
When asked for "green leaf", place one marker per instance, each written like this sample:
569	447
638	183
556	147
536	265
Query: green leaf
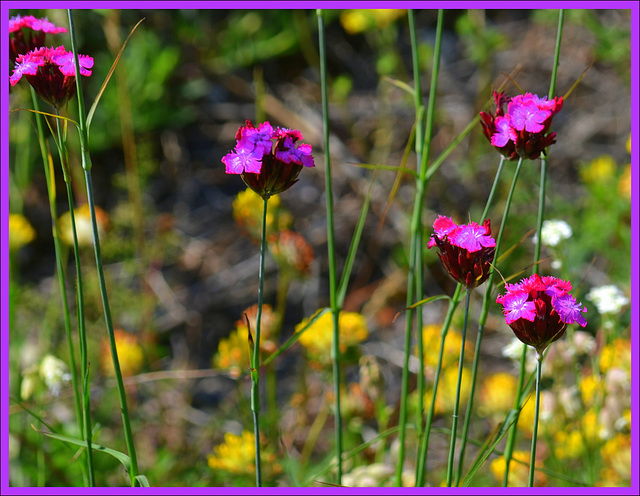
106	81
142	479
289	342
353	248
124	459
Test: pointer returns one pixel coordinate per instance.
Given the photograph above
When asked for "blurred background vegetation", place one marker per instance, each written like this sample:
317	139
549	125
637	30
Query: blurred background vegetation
181	270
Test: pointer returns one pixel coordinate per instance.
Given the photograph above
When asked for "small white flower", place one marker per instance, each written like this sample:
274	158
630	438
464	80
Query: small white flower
54	372
608	299
554	231
514	349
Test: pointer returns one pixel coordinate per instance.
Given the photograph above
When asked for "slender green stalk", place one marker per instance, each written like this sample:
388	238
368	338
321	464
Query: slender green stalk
424	442
82	337
417	89
456	405
536	256
335	348
484	312
424	445
86	165
415	276
511	439
255	359
534	439
51	188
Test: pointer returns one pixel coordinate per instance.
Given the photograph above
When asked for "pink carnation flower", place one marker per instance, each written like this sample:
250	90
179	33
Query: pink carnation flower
538	309
269	159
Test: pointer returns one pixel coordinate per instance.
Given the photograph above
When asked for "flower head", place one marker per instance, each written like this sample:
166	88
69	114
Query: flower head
130	354
317	338
27	33
51	72
20	231
54	373
237	455
538	310
84	225
608	299
292	252
466	251
520	131
269	159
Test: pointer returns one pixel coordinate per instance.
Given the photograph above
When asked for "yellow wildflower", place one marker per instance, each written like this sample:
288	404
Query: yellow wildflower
130	354
317	338
629	144
496	395
247	212
84	225
431	345
616	354
624	183
600	169
356	21
616	455
20	232
518	470
237	455
233	353
445	399
591	389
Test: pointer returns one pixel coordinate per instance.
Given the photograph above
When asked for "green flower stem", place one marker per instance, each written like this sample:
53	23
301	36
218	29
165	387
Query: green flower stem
255	358
456	405
424	442
335	348
419	141
534	439
511	439
424	445
536	257
86	165
82	336
415	275
484	312
51	188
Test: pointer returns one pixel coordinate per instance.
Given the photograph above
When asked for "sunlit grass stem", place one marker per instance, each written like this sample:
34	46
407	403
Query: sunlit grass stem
255	358
456	405
82	336
49	174
484	312
536	256
534	438
333	281
415	275
86	165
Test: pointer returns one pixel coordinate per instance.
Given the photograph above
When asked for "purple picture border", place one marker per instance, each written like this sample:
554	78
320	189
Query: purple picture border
633	6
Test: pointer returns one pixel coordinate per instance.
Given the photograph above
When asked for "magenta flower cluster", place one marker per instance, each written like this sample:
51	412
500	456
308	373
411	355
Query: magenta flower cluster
539	308
27	33
254	143
269	159
466	250
521	130
51	72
